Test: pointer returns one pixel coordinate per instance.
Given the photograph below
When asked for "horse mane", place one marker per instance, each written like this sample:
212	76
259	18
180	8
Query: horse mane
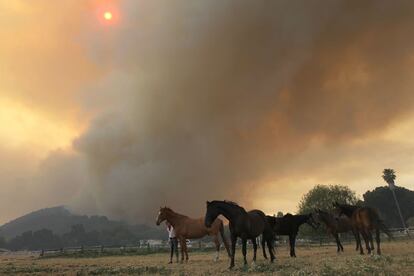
172	211
324	214
229	202
346	208
232	203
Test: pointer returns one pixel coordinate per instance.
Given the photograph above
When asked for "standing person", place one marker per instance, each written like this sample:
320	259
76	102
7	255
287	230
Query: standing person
173	241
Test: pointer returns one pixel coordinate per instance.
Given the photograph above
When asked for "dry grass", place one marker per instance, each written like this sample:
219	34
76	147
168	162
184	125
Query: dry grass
397	259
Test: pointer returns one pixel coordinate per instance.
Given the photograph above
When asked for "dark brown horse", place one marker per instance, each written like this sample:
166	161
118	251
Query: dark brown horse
189	228
288	225
364	220
335	226
246	225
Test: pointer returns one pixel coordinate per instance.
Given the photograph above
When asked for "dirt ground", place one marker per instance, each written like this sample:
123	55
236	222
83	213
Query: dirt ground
397	259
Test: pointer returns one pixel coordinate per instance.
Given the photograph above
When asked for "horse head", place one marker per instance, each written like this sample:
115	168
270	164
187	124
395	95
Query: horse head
212	213
313	220
162	215
344	209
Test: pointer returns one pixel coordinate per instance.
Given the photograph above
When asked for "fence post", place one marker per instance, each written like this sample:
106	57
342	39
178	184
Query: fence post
42	253
102	248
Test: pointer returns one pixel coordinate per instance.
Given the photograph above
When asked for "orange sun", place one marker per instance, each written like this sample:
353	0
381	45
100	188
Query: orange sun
107	15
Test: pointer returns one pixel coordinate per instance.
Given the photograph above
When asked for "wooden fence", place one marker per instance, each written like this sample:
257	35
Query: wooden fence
147	248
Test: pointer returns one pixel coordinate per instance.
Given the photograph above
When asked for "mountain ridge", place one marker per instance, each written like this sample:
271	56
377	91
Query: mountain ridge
59	220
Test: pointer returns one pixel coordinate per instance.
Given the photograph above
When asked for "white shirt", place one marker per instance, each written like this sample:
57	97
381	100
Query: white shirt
171	232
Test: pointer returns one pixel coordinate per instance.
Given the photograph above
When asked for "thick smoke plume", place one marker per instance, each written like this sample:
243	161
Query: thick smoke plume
209	99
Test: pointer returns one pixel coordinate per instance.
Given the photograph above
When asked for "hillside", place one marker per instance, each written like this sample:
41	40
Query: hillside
60	221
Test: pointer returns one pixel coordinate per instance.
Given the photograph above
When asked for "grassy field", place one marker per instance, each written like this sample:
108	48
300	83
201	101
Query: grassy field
397	259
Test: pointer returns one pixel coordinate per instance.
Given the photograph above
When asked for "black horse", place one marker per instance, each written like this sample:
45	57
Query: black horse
246	225
288	225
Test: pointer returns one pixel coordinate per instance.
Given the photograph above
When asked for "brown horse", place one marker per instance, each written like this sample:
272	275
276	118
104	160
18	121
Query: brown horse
364	220
336	225
189	228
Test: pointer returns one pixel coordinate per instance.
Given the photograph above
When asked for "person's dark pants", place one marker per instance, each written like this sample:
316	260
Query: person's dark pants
174	247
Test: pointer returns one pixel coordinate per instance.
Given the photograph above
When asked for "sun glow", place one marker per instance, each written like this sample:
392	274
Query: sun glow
107	15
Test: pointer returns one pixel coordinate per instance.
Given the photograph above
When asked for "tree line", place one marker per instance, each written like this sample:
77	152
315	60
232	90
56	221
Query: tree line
77	236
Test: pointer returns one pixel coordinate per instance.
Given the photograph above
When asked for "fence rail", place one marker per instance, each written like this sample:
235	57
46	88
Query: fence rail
146	248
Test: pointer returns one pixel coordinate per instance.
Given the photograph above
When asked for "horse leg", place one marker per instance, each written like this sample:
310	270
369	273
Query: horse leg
293	246
223	237
217	243
270	247
254	249
244	250
263	242
359	242
186	251
233	250
371	240
356	236
377	238
338	243
366	240
176	248
182	245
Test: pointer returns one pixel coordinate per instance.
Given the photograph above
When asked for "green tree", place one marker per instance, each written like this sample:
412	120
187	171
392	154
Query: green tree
323	197
381	198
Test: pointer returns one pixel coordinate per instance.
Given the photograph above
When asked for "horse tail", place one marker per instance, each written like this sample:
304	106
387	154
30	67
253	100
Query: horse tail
384	229
223	237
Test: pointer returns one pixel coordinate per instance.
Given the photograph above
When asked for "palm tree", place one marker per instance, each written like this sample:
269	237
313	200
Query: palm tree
389	176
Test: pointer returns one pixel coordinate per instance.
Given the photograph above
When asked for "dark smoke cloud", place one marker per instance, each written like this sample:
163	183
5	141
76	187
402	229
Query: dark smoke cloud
209	98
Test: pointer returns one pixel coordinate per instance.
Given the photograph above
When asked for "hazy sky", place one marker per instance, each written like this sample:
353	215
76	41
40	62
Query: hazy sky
178	102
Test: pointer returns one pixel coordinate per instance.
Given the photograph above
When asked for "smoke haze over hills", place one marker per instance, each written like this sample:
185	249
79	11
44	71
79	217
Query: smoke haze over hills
254	101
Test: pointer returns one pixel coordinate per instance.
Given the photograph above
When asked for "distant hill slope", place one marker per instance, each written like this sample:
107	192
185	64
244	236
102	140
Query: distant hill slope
60	220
